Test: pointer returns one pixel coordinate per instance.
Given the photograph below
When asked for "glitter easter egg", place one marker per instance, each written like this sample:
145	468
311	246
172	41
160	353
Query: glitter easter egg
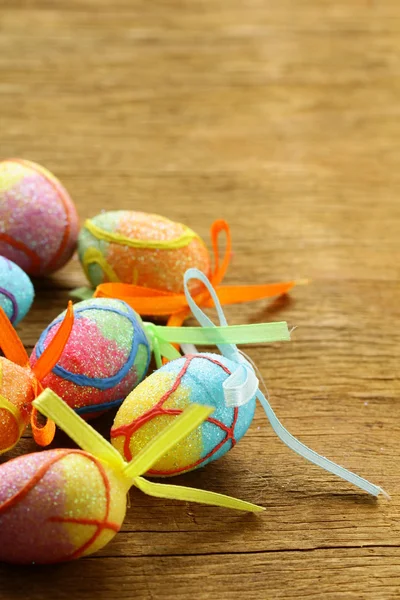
106	356
58	505
38	220
144	249
16	290
17	392
164	395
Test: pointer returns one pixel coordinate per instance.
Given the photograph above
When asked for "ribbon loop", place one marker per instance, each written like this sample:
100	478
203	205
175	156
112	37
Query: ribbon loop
228	350
243	385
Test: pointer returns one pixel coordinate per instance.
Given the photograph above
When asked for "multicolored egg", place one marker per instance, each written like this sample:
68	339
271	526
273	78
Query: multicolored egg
58	505
16	291
165	394
140	248
106	356
38	220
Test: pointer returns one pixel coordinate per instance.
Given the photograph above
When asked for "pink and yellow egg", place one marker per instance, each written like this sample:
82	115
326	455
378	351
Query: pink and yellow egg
58	505
38	220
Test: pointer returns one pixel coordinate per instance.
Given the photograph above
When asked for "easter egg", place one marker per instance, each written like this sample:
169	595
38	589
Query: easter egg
106	356
38	220
165	394
58	505
16	291
16	395
140	248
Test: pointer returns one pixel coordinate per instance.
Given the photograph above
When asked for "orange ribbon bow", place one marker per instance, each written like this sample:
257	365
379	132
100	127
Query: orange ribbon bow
15	352
153	302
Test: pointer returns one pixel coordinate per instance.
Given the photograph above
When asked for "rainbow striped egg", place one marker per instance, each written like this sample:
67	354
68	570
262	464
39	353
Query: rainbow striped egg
140	248
58	505
165	394
16	291
38	220
106	356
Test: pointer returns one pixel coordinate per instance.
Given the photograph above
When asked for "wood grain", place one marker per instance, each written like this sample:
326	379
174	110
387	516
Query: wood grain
283	118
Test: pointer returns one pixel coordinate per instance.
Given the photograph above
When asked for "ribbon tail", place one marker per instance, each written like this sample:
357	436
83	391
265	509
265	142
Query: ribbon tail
51	405
177	492
42	434
180	428
177	319
238	294
145	301
54	350
10	343
220	269
233	334
312	456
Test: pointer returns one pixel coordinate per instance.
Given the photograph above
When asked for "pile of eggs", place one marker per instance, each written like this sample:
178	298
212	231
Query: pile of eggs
101	365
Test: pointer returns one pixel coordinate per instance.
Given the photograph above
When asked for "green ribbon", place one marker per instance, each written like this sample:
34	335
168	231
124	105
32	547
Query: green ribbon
161	337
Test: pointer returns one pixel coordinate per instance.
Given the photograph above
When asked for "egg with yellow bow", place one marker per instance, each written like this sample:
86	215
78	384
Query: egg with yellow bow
62	504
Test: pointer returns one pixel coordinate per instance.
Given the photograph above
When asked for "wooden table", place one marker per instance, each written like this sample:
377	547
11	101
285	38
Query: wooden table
284	119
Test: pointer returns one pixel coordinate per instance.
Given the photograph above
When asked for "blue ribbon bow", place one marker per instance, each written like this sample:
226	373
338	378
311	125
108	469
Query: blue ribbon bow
243	385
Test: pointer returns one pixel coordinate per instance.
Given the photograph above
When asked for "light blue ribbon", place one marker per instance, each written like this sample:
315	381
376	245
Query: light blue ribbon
243	385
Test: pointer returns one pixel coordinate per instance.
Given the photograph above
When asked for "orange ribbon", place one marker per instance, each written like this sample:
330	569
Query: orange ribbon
153	302
15	352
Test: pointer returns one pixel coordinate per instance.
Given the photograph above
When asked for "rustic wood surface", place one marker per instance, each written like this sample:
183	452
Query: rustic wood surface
284	118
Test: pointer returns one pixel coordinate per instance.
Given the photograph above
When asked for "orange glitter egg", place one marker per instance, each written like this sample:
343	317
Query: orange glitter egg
140	248
16	395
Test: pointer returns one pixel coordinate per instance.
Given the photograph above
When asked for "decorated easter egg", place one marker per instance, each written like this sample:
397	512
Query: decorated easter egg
106	356
164	395
58	505
17	391
16	291
38	220
140	248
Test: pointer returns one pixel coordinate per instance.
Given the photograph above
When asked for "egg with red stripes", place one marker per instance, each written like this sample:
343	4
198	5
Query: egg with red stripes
38	221
58	505
107	354
16	291
164	395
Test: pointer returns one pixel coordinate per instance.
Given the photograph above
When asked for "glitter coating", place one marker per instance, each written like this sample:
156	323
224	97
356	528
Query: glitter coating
38	220
163	395
16	291
16	387
58	505
106	356
159	268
